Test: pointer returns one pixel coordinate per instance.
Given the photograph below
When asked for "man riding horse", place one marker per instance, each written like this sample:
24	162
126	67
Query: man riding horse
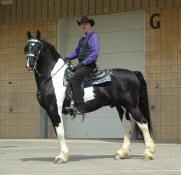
87	52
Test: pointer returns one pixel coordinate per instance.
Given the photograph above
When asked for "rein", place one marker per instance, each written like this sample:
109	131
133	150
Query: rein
51	76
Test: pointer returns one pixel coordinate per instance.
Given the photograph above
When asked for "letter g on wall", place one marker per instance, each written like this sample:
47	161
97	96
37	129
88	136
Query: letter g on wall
157	26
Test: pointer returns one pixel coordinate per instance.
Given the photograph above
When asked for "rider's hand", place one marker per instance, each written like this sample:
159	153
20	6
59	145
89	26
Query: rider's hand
66	59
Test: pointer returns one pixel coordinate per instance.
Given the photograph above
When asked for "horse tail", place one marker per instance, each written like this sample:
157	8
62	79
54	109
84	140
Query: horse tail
143	102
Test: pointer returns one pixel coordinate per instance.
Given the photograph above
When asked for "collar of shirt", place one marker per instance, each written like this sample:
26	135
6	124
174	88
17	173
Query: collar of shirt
90	31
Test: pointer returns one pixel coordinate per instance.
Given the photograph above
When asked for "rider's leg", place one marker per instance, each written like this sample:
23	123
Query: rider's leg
79	75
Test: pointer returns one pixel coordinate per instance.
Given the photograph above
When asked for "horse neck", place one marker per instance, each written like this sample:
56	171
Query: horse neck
48	60
58	70
48	65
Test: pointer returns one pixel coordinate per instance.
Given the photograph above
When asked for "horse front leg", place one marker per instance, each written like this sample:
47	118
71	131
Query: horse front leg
64	153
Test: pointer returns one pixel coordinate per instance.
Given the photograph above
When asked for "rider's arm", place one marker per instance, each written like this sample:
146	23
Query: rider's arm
75	53
94	45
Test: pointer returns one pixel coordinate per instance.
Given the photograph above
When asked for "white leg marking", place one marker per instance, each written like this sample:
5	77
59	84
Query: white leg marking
57	80
88	94
63	156
149	143
125	149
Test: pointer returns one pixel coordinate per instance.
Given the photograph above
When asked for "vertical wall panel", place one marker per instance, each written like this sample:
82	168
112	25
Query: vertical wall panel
114	5
78	7
177	2
19	10
7	14
58	9
169	3
153	4
1	15
51	9
13	14
121	5
129	4
32	10
145	4
99	8
85	5
64	8
44	10
106	6
161	3
71	8
92	7
25	10
137	4
38	6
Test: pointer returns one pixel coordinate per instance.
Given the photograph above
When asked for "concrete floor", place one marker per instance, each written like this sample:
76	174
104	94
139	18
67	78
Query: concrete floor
87	157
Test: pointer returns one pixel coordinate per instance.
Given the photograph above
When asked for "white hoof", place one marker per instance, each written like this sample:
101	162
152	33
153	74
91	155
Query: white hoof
62	158
149	152
122	154
148	155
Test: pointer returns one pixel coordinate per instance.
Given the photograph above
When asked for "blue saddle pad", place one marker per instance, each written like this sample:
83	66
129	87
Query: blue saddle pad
93	82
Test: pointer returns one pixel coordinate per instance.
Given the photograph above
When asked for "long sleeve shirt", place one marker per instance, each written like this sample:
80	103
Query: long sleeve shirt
94	45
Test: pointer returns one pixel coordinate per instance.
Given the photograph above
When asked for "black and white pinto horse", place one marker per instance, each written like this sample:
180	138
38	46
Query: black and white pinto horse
127	91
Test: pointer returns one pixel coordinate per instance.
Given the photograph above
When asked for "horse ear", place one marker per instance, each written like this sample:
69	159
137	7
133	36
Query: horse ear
38	34
29	35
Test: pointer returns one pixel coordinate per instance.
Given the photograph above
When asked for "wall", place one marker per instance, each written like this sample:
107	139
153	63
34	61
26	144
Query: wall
17	85
163	66
38	10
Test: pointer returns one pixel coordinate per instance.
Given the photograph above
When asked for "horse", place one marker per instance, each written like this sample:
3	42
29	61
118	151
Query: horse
127	91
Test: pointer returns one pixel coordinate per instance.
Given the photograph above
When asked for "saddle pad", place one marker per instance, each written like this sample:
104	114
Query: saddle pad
99	81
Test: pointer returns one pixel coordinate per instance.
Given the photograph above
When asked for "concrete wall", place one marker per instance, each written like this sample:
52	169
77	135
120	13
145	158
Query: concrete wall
163	68
19	109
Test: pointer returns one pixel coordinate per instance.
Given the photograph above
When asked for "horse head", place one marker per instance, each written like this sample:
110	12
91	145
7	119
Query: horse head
33	50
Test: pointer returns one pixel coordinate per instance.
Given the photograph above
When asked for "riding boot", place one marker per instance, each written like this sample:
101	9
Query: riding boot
80	110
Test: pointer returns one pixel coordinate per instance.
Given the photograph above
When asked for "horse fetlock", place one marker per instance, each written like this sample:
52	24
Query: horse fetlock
148	154
122	153
62	158
151	147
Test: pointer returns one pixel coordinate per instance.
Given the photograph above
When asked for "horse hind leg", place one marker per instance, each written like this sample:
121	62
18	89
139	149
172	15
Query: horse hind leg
143	125
124	151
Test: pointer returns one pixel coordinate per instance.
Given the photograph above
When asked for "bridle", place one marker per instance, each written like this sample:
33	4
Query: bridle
32	42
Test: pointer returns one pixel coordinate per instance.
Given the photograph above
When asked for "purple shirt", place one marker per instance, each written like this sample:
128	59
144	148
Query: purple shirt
93	44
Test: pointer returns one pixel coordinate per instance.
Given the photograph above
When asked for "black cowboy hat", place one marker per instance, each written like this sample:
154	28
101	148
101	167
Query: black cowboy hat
85	19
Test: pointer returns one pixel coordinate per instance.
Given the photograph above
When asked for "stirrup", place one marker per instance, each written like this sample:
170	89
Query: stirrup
71	109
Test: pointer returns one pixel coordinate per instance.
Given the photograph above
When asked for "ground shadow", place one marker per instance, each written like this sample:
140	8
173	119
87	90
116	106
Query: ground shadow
79	158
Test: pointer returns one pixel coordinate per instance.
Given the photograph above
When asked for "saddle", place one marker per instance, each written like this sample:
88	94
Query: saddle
96	76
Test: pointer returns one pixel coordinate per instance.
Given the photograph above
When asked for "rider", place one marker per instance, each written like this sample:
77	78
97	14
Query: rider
87	52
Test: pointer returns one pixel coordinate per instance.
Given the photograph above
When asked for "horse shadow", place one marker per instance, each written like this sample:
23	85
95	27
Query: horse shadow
80	157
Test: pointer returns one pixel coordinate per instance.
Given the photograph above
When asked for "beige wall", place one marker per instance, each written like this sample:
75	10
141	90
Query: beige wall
163	65
17	85
38	10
